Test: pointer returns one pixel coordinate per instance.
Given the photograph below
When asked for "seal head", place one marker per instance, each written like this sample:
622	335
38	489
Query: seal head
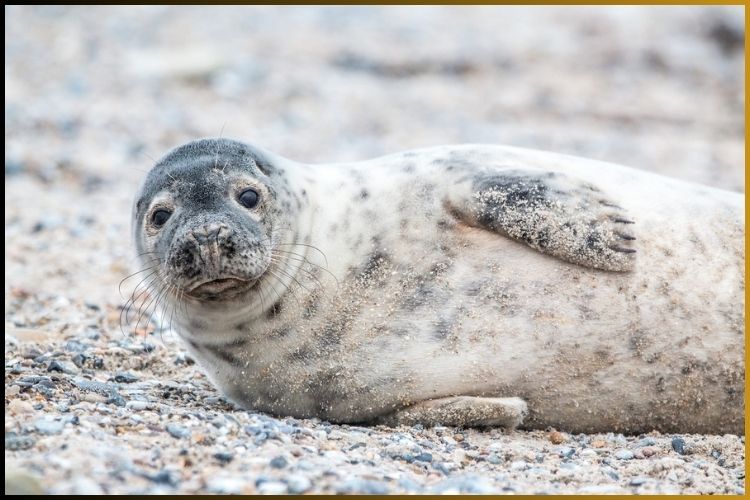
204	219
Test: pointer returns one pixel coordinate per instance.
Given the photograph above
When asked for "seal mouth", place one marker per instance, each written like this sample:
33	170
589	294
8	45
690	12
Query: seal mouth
220	288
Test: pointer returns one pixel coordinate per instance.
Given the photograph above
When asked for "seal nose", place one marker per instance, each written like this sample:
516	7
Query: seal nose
210	233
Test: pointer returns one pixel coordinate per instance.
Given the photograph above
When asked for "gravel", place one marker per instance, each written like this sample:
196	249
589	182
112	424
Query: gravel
103	399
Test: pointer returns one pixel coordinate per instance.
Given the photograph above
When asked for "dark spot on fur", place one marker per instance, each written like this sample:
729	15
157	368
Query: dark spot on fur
420	296
375	261
364	194
473	288
281	332
443	329
275	309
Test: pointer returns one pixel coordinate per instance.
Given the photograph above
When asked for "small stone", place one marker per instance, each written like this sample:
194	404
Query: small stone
14	442
85	486
55	366
278	462
224	457
48	427
598	443
137	405
424	457
647	441
519	465
125	378
678	445
637	481
164	477
178	431
458	437
226	485
648	451
567	452
272	488
364	486
494	458
624	455
298	484
556	437
17	406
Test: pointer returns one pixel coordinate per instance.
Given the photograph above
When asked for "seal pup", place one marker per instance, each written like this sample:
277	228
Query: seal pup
462	285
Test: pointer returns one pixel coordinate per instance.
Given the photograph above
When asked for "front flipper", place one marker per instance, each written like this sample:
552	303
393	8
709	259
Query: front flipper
461	411
553	213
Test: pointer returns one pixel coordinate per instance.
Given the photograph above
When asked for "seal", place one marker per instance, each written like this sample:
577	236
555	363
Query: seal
459	285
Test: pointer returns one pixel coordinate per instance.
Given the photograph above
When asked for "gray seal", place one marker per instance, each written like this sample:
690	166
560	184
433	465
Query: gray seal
459	285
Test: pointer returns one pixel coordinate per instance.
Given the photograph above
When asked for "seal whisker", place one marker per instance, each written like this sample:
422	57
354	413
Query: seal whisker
122	281
148	289
131	301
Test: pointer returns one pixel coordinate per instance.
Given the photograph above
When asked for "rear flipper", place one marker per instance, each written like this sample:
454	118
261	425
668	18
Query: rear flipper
461	411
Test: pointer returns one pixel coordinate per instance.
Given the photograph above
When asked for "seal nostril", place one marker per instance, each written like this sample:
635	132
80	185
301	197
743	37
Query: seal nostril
208	234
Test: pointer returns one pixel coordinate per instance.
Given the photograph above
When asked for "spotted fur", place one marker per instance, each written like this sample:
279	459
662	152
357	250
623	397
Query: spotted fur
606	298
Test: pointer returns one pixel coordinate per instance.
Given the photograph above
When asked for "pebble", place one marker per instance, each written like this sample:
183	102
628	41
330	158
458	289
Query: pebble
137	405
17	406
298	484
624	455
424	457
125	378
648	451
178	431
647	441
55	366
272	488
224	456
494	458
519	465
226	485
469	484
588	453
85	486
556	437
678	445
48	427
278	462
363	486
637	481
14	442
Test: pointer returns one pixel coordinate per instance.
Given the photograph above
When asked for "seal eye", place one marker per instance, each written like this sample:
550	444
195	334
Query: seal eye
249	198
160	217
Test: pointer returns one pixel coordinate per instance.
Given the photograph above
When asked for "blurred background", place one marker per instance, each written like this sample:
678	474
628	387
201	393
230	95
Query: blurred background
94	94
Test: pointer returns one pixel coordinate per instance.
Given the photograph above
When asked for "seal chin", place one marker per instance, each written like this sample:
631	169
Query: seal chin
221	288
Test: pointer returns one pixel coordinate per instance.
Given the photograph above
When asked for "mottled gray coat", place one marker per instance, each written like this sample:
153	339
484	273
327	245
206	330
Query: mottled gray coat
605	298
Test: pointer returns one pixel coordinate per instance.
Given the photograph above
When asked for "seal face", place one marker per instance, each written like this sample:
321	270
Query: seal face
209	225
462	285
